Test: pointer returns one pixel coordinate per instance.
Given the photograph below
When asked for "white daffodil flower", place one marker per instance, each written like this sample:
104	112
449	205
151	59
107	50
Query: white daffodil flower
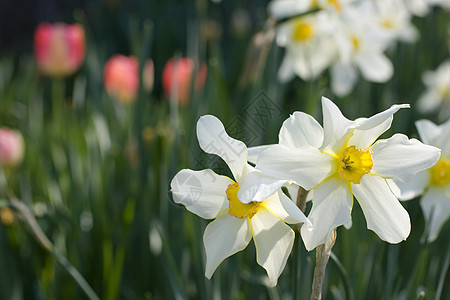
394	20
361	44
437	94
433	183
344	159
308	50
238	217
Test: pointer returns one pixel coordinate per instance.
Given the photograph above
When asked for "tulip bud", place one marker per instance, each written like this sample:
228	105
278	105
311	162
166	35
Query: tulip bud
121	78
11	147
177	78
148	76
59	48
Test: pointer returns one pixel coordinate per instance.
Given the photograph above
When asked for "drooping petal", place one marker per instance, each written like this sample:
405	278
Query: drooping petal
306	166
375	67
428	131
202	192
332	206
273	240
223	237
286	70
257	186
343	78
429	101
254	152
213	139
379	118
436	208
285	209
299	130
401	157
369	129
384	213
414	187
337	128
443	140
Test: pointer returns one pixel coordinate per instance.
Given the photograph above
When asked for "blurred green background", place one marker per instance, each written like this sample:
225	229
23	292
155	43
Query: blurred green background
96	173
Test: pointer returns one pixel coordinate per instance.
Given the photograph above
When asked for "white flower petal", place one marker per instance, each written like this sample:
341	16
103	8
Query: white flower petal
213	139
254	152
443	140
375	67
363	139
379	118
286	8
300	129
332	206
292	190
273	240
401	157
428	131
413	187
436	208
343	79
384	213
223	237
202	192
429	101
286	70
306	166
285	209
369	129
337	128
257	186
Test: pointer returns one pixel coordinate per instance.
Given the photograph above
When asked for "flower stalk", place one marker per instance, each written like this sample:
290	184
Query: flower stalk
323	253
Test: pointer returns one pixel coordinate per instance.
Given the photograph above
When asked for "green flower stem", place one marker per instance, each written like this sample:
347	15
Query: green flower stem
301	203
58	90
29	219
323	253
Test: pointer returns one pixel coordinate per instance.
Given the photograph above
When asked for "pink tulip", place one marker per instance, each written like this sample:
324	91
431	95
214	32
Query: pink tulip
177	78
122	80
59	48
11	147
121	77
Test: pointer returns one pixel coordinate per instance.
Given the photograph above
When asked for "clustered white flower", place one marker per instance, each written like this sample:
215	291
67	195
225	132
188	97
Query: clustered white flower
335	162
347	37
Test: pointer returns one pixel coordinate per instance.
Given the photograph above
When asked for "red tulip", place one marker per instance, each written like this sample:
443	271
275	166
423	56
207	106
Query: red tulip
11	147
59	48
177	78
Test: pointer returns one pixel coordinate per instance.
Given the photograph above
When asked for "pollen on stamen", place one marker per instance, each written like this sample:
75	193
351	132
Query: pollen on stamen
354	163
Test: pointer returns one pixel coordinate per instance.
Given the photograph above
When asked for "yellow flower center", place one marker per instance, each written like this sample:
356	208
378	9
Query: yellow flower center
440	172
444	93
237	208
355	42
354	164
302	31
334	3
387	23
